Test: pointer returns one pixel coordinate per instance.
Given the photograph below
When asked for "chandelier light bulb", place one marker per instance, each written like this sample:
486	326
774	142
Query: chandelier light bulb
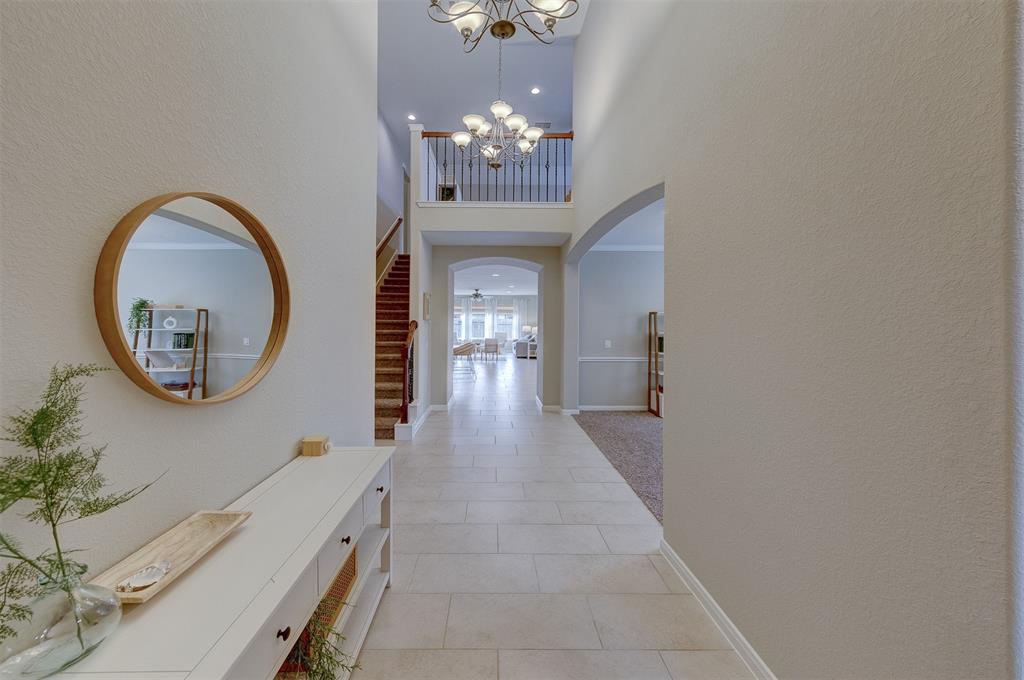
462	138
501	110
472	17
525	146
516	122
488	152
533	134
484	129
473	122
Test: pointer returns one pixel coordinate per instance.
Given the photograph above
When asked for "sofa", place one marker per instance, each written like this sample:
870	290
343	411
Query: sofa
526	348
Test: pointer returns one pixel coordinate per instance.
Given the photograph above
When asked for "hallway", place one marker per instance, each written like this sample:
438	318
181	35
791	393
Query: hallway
522	554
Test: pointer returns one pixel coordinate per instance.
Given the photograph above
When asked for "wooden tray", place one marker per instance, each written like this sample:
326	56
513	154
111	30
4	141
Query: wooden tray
182	546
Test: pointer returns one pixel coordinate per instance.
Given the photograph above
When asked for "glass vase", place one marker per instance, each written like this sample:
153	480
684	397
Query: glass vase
63	630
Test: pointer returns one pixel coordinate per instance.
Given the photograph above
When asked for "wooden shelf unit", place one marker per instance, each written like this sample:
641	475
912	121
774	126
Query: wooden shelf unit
655	362
201	336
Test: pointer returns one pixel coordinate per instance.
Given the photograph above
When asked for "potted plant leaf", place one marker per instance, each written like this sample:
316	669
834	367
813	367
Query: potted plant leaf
137	317
49	619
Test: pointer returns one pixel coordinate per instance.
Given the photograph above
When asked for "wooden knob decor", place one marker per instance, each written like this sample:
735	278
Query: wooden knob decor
285	634
316	445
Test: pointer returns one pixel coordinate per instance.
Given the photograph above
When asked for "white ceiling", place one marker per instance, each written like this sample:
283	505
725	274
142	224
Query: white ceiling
423	70
523	281
643	230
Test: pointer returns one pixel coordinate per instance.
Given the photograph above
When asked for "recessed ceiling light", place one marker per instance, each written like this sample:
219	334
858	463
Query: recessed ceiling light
511	286
411	116
495	275
535	90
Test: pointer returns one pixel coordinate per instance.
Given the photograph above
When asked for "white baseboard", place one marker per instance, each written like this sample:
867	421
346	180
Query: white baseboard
552	409
404	432
443	408
743	648
638	407
570	411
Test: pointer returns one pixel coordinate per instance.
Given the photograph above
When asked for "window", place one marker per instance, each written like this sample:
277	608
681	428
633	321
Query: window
457	323
503	321
478	325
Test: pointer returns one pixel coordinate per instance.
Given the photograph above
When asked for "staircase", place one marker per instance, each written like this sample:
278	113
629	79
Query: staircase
392	327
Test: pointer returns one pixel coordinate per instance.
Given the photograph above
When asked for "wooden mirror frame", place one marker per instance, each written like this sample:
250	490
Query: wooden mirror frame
109	319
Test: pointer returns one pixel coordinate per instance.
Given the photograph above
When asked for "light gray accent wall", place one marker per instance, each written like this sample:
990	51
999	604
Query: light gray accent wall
389	178
105	104
838	211
617	290
233	284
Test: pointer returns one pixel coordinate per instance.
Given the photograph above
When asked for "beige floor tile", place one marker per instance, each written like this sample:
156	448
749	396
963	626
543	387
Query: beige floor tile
565	491
401	572
558	449
706	666
552	461
485	450
463	491
456	441
474	574
439	474
597	574
620	492
580	665
520	622
598	474
530	474
407	621
413	461
446	538
654	622
424	664
550	539
430	512
605	512
417	491
626	539
668	574
513	512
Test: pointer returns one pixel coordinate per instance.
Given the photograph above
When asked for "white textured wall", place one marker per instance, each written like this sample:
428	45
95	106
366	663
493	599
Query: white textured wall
389	177
617	290
105	104
837	233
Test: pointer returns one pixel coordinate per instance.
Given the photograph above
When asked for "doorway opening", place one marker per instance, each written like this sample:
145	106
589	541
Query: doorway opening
495	334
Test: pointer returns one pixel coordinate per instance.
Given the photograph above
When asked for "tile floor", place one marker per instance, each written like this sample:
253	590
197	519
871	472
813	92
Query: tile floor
521	554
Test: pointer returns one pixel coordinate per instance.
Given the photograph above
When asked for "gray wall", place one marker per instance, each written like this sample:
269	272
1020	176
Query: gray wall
617	290
233	284
837	462
105	104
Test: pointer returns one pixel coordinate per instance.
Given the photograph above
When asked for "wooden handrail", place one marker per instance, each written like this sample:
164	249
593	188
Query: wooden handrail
388	236
413	325
404	416
547	135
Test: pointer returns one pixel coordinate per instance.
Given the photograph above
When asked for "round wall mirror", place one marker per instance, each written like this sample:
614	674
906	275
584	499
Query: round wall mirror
191	298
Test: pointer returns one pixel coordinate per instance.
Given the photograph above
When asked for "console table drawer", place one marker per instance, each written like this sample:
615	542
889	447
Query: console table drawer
276	637
378	488
341	543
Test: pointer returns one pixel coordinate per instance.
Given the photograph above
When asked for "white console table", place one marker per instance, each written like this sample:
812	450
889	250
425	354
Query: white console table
237	612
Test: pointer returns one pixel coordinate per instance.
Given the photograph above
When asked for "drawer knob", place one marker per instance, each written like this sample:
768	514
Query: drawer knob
346	540
285	634
380	489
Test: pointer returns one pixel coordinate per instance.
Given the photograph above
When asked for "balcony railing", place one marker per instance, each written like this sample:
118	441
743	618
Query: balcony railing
450	174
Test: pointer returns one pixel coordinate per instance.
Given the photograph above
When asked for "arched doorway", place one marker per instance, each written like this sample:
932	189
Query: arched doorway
494	330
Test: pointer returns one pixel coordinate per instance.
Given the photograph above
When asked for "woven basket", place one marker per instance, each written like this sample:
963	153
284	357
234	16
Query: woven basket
327	613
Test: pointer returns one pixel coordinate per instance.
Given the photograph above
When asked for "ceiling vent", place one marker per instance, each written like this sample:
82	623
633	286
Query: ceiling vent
543	126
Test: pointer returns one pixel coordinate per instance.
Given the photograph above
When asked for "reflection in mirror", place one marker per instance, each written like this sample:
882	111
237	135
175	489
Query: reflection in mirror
195	298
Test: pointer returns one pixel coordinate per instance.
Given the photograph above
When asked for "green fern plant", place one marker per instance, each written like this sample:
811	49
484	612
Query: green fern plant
58	479
137	317
318	650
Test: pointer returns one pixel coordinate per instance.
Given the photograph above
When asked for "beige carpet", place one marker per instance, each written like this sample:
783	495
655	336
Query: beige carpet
631	440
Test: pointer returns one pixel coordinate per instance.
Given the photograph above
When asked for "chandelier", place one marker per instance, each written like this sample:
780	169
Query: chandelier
472	19
477	295
494	143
